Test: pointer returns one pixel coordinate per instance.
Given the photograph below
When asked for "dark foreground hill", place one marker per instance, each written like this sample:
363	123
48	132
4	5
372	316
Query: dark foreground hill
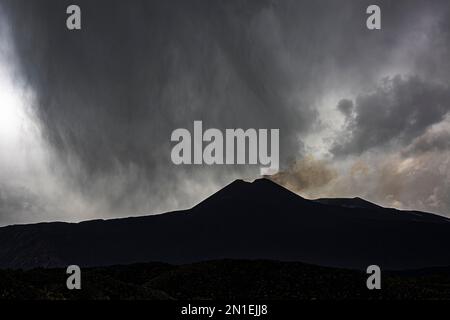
223	280
259	220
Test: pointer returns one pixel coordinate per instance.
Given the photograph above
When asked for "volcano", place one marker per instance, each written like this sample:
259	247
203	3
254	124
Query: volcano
244	220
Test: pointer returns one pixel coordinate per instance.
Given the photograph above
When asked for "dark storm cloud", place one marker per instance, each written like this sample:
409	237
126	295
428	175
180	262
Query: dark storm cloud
109	96
398	111
115	90
346	107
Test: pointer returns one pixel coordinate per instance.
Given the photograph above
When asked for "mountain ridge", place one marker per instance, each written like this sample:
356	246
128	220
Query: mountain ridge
243	220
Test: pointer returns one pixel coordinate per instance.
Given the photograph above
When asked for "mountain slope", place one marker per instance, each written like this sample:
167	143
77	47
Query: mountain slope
348	203
243	220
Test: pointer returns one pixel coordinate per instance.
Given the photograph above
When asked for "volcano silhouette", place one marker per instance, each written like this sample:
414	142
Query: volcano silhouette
258	220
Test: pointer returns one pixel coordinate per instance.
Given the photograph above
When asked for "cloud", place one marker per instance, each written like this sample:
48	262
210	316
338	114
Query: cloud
305	176
108	97
389	179
398	111
346	107
435	139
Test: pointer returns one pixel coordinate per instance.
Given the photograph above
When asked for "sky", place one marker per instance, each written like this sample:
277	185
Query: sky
86	116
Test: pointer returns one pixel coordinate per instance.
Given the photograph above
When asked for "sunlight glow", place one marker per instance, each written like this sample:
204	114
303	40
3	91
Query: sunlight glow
12	115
